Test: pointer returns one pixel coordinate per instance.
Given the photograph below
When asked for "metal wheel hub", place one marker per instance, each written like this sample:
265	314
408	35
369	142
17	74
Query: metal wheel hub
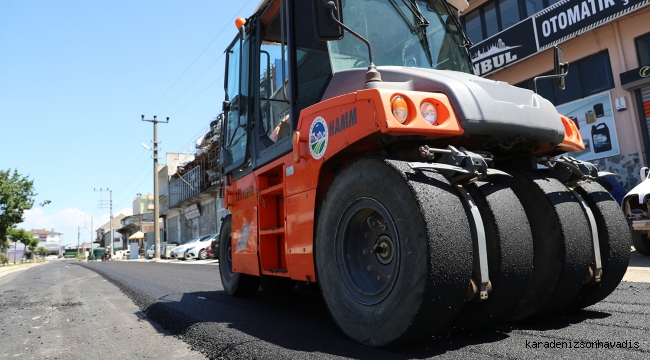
367	251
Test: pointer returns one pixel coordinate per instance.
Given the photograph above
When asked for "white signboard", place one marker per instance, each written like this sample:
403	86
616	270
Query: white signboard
595	119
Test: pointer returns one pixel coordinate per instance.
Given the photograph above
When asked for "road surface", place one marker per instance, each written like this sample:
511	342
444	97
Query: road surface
187	300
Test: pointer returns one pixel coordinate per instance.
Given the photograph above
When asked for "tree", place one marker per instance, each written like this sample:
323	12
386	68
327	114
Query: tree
32	247
16	196
43	251
21	235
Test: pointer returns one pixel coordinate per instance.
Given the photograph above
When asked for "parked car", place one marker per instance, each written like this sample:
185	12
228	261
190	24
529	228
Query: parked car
150	252
200	248
179	251
51	257
213	249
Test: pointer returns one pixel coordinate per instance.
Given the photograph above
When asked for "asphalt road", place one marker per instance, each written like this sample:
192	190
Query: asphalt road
60	310
188	301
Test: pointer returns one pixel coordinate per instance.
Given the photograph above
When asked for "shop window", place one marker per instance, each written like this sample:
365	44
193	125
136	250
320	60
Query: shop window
643	49
498	15
509	10
490	15
587	76
533	6
596	74
473	26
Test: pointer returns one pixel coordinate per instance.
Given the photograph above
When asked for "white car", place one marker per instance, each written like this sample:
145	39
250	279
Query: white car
179	252
199	250
150	252
636	208
51	257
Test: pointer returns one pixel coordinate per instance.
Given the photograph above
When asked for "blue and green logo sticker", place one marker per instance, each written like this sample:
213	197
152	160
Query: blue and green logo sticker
318	135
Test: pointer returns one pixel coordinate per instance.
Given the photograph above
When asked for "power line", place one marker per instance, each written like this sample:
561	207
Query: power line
195	80
197	95
206	48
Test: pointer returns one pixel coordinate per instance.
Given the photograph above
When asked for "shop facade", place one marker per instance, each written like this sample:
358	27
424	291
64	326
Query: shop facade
606	43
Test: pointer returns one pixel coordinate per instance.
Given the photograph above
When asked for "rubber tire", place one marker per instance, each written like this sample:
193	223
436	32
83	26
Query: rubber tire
235	284
641	242
277	284
561	242
613	240
201	255
509	248
434	244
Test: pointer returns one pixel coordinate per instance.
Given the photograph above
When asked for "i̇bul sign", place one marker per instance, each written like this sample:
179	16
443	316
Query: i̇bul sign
553	25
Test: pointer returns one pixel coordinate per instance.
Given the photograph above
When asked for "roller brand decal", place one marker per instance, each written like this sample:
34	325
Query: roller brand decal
245	194
318	136
320	131
343	122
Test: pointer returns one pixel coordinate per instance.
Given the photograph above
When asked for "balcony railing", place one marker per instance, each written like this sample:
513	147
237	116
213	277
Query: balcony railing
185	187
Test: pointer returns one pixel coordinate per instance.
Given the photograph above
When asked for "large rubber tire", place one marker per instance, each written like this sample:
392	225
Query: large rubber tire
641	243
235	284
415	283
202	255
613	240
509	248
561	242
277	284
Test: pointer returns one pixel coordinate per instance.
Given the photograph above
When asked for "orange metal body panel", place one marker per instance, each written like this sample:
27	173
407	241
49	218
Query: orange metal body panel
279	215
243	206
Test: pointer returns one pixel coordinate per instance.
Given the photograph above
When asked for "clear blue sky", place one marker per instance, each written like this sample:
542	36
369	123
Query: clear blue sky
75	76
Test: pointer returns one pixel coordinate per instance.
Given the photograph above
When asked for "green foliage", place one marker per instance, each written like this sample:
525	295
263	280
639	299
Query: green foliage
4	259
22	236
43	251
16	196
33	244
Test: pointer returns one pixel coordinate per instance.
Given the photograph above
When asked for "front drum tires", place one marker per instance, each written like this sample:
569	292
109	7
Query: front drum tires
393	252
233	283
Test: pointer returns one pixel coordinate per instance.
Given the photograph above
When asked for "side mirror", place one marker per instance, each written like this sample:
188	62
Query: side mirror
644	173
560	68
326	28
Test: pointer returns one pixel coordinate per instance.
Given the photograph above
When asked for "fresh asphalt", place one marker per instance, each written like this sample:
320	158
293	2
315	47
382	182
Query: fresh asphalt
187	300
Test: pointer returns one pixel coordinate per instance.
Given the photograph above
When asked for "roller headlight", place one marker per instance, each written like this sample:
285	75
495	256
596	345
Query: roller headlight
429	112
400	109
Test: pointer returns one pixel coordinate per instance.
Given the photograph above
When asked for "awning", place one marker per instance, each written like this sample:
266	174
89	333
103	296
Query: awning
137	236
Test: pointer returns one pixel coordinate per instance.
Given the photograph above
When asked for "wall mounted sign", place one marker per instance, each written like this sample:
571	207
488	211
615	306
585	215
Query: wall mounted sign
553	25
192	212
595	120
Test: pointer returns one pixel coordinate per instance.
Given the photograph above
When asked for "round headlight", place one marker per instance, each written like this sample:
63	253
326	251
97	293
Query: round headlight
429	112
400	109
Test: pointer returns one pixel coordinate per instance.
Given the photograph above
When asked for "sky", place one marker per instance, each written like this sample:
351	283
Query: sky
75	78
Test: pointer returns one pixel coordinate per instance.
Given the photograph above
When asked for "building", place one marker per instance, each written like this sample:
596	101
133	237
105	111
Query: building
104	231
606	43
190	187
50	240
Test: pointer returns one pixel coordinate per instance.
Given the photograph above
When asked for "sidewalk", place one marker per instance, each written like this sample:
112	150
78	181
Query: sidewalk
638	269
4	270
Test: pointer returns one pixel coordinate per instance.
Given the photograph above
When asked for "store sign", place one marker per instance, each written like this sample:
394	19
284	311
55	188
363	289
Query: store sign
635	78
504	48
595	120
551	26
192	212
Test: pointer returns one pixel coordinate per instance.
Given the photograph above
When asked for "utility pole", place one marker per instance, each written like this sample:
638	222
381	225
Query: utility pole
110	205
92	218
78	236
156	210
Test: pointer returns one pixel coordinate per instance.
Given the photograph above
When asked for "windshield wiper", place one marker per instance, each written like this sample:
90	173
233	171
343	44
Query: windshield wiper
467	42
422	22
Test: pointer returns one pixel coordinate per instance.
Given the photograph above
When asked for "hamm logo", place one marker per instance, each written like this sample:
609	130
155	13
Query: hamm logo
318	136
